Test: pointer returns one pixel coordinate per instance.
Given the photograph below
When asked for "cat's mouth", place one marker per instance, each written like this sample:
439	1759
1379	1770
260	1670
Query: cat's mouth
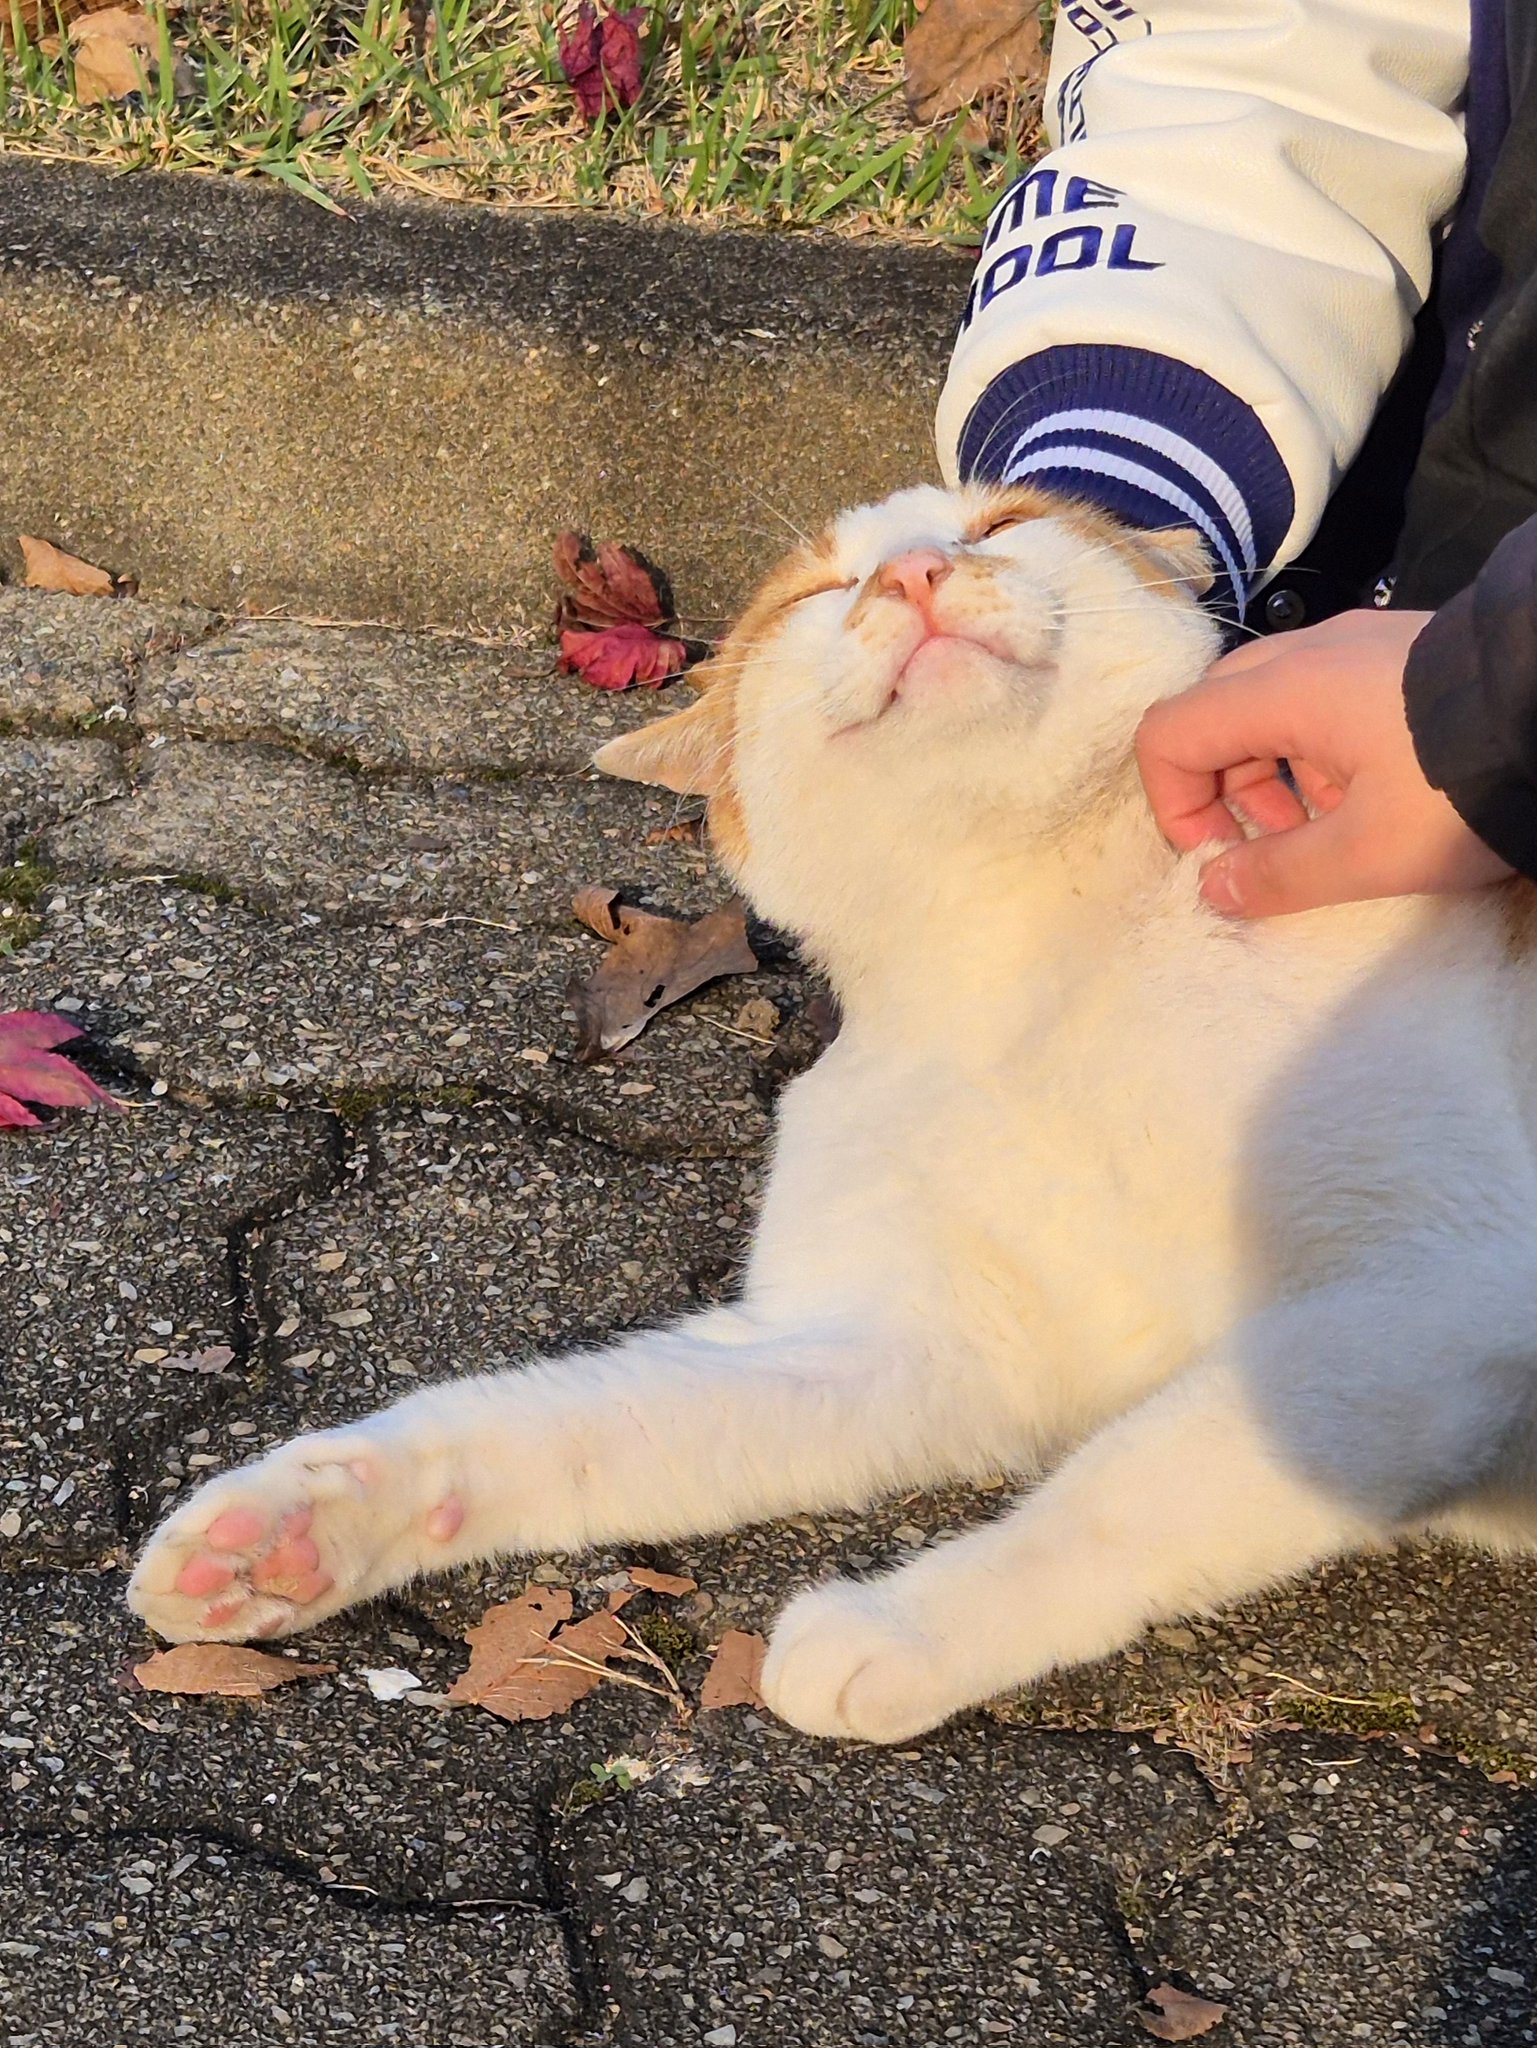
941	661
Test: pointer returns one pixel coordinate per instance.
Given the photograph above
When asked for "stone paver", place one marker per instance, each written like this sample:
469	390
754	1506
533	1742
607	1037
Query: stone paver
383	700
309	891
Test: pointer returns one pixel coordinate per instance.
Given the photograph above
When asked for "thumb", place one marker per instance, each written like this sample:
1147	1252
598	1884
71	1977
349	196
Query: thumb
1280	872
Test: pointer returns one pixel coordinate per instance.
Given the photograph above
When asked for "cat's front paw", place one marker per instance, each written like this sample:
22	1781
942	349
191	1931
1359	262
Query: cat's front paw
279	1545
841	1661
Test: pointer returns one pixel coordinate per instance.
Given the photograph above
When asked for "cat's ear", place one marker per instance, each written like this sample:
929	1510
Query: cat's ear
688	751
1178	554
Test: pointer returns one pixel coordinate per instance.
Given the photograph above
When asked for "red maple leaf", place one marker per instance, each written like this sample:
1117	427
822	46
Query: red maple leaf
29	1072
602	60
618	657
608	585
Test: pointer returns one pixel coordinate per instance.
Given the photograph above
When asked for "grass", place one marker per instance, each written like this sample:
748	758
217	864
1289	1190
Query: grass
780	112
24	882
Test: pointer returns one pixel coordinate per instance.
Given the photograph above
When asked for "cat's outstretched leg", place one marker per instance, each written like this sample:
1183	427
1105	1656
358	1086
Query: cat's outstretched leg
717	1421
1180	1505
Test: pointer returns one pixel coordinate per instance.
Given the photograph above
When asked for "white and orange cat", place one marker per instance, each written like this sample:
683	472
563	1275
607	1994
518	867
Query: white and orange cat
1232	1229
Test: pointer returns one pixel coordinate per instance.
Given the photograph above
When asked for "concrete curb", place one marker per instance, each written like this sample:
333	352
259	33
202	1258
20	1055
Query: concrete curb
251	404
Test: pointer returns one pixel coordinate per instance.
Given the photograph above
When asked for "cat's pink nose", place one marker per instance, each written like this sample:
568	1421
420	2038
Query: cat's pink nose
915	575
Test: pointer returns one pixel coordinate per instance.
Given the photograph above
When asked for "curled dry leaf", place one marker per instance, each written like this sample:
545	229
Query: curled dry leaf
227	1668
1169	2014
30	1072
601	59
112	57
620	657
735	1669
959	49
608	584
672	1583
529	1660
48	567
652	961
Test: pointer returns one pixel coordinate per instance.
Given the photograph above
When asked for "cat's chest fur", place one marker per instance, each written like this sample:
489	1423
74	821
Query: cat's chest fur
1086	1174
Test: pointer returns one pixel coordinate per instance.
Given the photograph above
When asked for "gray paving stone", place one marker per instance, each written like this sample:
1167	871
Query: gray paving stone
477	1239
388	700
402	1802
286	833
68	661
125	1241
1377	1898
43	781
147	1942
831	1897
223	1003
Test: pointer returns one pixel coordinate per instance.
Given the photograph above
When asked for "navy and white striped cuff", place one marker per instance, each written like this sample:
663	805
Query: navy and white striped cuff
1146	437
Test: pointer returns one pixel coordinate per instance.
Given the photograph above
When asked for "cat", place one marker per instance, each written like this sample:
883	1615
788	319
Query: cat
1227	1228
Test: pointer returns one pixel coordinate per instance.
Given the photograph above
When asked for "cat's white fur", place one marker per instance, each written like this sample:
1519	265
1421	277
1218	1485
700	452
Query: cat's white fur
1228	1227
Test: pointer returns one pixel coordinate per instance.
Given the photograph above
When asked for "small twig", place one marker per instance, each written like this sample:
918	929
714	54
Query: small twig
735	1029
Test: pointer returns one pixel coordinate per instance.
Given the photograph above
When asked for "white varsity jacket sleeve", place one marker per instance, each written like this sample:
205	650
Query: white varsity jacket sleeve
1189	310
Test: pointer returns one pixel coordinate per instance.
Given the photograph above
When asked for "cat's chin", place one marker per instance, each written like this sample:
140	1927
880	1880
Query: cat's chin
945	674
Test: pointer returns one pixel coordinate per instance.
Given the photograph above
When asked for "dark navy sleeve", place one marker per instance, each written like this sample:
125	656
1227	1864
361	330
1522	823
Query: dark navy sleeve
1470	689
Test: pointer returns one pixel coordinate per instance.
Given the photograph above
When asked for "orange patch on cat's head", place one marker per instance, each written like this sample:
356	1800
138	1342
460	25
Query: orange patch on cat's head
693	750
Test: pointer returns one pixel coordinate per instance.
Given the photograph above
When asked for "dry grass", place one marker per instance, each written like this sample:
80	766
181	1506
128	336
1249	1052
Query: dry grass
784	112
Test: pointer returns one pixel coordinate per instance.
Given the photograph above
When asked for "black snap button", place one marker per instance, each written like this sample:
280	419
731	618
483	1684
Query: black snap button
1284	610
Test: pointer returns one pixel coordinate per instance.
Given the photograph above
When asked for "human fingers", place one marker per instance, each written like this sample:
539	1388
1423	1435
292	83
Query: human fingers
1187	744
1322	861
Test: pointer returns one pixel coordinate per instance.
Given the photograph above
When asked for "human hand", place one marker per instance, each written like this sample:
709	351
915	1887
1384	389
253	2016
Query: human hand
1329	701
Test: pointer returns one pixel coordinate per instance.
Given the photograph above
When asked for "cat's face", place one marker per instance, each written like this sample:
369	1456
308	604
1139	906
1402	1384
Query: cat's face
940	668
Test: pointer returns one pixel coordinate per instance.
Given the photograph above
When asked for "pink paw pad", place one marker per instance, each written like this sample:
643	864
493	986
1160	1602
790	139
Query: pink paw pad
446	1519
203	1574
236	1529
291	1561
226	1610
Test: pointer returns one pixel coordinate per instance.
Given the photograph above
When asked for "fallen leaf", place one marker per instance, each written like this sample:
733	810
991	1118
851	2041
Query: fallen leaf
735	1669
38	17
619	657
652	961
29	1072
684	834
1170	2014
111	56
601	60
959	49
213	1360
660	1582
608	585
49	568
227	1668
526	1666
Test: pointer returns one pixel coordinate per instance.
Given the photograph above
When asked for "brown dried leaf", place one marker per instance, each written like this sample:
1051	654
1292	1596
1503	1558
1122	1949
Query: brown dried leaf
112	54
1170	2014
735	1669
652	961
49	568
525	1666
38	17
660	1582
227	1668
960	49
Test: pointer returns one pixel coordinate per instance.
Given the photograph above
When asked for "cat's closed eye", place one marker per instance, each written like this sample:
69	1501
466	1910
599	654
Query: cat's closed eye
818	590
1000	522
